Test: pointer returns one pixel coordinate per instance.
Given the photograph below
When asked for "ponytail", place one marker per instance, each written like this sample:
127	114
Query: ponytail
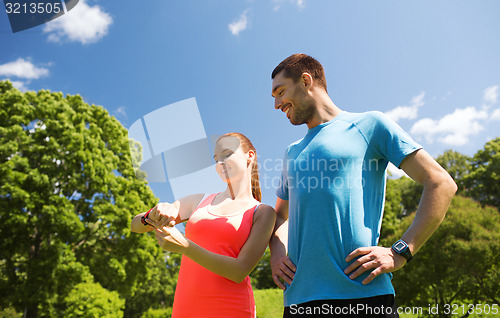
257	194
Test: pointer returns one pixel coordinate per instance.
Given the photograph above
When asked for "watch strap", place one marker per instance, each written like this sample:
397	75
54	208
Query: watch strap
145	216
405	252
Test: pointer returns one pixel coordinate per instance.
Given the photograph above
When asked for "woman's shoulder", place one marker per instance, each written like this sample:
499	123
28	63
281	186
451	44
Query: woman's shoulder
264	211
263	206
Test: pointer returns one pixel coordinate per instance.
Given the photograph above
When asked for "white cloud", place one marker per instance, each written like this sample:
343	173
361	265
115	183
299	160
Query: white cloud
407	112
490	95
23	69
299	3
85	24
395	172
20	85
121	111
453	129
240	24
495	115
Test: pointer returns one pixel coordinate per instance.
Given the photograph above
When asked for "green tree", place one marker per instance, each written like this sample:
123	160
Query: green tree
457	165
401	199
158	313
483	182
156	293
67	195
393	208
458	264
261	276
89	300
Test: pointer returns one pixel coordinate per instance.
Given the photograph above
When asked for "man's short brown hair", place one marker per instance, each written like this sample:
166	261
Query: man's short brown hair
297	64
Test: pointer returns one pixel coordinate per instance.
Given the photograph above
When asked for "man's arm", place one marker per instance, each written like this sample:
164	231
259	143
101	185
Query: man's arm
439	189
281	265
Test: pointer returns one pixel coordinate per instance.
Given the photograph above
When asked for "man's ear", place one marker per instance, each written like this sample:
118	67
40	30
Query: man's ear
307	80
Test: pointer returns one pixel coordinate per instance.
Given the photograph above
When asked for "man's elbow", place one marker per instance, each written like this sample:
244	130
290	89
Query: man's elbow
453	188
448	186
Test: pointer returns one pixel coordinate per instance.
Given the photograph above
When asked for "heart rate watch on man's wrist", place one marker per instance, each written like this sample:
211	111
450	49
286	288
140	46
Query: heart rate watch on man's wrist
401	248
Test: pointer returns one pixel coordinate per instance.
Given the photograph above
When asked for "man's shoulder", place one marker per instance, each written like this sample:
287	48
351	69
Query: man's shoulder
368	122
369	116
295	143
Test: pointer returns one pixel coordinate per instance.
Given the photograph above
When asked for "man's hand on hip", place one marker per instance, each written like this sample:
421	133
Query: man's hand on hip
378	259
283	270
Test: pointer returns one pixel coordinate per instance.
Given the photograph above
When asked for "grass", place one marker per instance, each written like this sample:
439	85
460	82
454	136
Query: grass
269	303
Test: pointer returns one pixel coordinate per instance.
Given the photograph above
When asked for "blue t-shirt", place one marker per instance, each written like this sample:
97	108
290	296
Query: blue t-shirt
334	180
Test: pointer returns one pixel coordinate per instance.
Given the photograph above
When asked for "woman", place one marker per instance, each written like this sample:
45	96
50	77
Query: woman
226	235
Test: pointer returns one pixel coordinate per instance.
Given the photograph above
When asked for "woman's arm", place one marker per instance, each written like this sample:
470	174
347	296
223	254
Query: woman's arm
165	213
234	269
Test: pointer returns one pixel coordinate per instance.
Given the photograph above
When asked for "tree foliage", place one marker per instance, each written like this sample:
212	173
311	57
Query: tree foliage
401	199
67	195
458	264
89	300
483	182
262	274
457	165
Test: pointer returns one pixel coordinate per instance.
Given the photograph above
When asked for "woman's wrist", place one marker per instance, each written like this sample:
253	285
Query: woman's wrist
189	248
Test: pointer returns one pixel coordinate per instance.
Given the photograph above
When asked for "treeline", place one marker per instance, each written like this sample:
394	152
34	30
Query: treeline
68	192
460	264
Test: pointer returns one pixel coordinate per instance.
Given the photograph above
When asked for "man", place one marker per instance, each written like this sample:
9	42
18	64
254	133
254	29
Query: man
331	197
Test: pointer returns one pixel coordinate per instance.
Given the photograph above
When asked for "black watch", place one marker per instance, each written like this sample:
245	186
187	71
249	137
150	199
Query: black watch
401	248
144	217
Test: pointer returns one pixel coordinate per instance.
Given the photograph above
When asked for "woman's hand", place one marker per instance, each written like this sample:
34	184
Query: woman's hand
170	239
164	214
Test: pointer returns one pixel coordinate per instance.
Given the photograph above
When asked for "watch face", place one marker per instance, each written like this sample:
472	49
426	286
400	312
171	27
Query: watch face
399	246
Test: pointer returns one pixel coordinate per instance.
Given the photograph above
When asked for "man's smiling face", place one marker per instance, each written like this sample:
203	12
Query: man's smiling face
291	98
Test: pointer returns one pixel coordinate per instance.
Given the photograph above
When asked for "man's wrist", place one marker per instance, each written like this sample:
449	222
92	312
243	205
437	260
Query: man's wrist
401	248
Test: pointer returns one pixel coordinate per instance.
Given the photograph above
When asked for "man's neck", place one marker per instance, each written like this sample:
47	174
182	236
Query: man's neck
326	110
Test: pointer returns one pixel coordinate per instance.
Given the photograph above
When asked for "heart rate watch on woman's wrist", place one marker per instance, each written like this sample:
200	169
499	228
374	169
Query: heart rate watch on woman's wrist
145	216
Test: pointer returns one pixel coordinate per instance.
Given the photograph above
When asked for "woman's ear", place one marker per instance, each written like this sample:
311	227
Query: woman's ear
250	156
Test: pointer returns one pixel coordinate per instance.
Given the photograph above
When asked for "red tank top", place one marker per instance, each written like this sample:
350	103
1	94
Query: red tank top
202	293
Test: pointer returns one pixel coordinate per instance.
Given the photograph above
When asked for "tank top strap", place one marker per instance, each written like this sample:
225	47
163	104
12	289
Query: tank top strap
206	200
254	210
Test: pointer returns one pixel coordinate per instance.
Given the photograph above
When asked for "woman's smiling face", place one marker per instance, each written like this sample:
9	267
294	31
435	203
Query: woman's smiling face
230	159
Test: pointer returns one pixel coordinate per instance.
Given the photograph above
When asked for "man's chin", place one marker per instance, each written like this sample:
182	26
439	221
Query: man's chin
296	122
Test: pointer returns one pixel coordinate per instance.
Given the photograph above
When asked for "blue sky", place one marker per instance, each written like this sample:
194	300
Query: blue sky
433	66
